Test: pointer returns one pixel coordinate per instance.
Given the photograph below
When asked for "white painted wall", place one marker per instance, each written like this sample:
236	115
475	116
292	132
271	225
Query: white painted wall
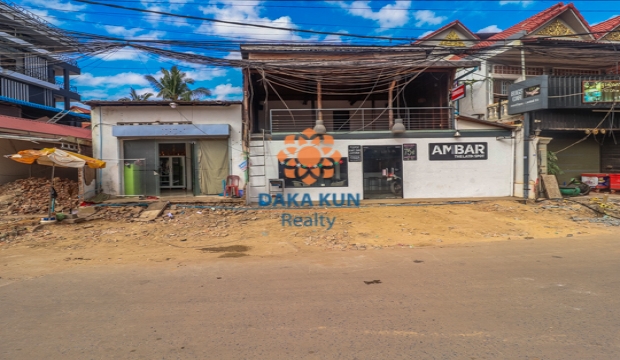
109	148
422	179
477	94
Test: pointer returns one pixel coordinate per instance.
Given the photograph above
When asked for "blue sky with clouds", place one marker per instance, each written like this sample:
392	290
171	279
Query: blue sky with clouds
110	76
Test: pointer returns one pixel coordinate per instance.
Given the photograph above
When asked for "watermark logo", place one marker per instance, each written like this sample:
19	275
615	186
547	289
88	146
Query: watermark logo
309	156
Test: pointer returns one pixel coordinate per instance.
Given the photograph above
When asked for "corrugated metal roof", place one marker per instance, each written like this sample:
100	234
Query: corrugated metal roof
39	106
38	127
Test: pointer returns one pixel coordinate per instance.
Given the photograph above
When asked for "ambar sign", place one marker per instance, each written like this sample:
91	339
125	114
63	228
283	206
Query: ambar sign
460	151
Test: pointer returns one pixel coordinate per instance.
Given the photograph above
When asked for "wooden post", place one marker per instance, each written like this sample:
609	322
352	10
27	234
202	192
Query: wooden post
246	132
391	99
319	100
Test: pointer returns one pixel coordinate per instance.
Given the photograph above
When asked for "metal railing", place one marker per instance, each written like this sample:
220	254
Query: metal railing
361	119
61	83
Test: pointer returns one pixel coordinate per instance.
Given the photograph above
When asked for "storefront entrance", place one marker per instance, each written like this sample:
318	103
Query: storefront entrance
174	168
383	172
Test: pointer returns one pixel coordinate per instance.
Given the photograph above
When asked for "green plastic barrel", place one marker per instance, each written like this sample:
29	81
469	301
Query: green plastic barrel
133	179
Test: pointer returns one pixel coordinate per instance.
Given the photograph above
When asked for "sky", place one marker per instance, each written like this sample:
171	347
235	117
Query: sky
111	76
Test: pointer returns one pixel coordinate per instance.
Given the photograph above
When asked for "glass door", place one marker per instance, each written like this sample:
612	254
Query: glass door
383	172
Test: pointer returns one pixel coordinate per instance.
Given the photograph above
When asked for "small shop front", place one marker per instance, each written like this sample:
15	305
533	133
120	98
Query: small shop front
174	166
478	163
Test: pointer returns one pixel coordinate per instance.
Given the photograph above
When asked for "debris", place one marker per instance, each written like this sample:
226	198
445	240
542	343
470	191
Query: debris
32	196
372	282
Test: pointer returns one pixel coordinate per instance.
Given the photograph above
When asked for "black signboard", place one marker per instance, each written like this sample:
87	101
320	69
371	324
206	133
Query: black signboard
529	95
458	151
410	152
355	153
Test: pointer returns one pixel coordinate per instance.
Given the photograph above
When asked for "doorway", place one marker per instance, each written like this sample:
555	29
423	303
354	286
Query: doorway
172	167
379	164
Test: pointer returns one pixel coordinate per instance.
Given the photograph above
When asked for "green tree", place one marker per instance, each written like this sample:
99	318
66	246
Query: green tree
173	85
134	96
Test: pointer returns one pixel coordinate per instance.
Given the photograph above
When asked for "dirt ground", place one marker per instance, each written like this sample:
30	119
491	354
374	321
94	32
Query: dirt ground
28	249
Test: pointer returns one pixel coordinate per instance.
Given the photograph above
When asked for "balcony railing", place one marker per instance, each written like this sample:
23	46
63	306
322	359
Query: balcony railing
497	111
62	86
363	119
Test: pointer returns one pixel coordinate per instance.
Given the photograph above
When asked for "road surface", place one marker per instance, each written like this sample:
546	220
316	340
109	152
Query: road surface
536	299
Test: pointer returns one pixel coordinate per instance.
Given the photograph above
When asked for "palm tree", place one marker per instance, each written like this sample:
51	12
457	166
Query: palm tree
174	86
134	96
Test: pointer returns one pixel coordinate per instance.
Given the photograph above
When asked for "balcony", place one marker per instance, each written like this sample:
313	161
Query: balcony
498	111
361	119
62	86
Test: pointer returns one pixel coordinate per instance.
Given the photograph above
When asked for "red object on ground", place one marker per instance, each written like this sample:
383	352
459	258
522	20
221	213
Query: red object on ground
232	185
614	181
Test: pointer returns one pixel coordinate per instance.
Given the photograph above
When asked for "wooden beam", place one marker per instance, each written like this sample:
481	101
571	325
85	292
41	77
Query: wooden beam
319	100
391	99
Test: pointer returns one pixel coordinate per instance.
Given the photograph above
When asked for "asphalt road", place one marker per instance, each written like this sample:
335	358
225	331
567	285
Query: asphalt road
536	299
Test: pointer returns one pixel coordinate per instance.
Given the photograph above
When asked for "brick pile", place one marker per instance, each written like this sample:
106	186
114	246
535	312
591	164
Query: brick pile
32	195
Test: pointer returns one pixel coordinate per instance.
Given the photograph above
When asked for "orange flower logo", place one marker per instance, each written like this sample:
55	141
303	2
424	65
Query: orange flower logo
308	156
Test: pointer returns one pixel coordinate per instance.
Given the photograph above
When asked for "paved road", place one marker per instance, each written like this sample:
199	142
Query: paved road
538	299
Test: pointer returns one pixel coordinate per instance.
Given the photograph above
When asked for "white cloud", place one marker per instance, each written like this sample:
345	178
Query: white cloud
247	14
169	7
233	56
427	17
56	5
524	3
112	81
81	17
121	31
490	29
45	15
126	53
132	33
388	17
224	91
426	33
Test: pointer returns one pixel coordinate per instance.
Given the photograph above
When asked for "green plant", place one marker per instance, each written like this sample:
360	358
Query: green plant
553	168
173	85
134	96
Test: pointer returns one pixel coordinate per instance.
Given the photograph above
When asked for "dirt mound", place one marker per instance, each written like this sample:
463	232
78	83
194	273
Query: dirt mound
32	195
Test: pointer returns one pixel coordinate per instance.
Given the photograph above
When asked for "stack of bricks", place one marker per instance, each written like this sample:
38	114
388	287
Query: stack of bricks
32	196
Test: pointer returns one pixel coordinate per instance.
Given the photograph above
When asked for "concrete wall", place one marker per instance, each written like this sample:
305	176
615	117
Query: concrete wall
110	148
421	178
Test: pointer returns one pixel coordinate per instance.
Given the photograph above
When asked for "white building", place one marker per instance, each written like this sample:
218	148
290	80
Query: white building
160	148
377	114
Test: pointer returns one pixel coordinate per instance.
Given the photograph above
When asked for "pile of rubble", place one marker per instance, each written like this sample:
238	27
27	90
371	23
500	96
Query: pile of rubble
32	196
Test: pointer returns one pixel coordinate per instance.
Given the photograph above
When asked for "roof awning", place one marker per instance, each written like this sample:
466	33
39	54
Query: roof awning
173	130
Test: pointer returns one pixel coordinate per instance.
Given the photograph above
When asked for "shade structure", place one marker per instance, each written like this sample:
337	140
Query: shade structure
56	157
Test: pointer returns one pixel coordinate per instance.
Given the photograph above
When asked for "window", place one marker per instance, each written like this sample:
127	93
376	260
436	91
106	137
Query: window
340	176
565	72
516	70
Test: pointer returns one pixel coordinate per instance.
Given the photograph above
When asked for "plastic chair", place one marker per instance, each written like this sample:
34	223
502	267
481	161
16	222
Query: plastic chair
232	185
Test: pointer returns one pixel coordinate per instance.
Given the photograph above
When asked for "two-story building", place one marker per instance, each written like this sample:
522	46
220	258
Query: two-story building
557	42
377	122
33	78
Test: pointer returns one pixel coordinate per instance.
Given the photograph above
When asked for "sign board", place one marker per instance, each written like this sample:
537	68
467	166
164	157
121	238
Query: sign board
529	95
458	151
410	152
597	91
355	153
458	93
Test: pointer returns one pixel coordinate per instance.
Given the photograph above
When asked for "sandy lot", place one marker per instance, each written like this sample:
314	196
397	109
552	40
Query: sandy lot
192	234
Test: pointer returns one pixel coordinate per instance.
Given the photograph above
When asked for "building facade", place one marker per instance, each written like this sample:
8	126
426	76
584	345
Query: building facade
353	121
34	80
164	148
559	43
